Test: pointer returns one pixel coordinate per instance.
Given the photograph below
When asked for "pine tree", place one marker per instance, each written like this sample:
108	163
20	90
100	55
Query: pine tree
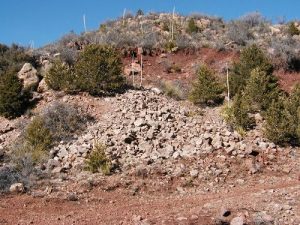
240	109
261	88
278	122
206	89
251	58
13	100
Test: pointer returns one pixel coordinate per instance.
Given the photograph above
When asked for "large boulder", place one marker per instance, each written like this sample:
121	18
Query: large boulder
28	74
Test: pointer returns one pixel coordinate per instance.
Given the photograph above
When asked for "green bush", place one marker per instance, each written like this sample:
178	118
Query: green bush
251	58
206	88
192	27
278	126
60	77
14	57
170	45
37	139
98	70
283	119
237	114
261	88
13	100
98	161
292	29
293	107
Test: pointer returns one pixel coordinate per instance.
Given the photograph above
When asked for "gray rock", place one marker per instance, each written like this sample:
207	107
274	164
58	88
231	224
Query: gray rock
239	220
194	173
139	122
17	188
28	74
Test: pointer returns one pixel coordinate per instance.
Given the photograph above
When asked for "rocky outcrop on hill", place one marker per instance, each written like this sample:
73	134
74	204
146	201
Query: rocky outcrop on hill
28	74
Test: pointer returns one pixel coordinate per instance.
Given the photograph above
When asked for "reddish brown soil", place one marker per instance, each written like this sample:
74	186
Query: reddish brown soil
154	66
118	207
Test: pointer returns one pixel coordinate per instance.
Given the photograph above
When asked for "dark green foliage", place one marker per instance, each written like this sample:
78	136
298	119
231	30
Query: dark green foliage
278	127
170	45
251	58
61	77
293	107
139	13
260	90
98	70
192	27
37	139
98	160
206	88
237	114
14	57
13	100
293	30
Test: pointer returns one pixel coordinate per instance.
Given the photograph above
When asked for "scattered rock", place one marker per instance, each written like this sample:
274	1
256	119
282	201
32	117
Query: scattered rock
239	220
17	188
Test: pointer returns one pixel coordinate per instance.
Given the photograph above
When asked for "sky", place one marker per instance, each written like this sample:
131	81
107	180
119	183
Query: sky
41	22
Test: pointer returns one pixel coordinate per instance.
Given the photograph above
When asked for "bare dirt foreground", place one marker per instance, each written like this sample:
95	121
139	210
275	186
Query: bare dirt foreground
101	206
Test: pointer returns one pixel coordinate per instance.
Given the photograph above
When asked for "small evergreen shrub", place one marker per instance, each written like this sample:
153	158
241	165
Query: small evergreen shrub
206	89
192	27
37	139
98	161
13	100
98	70
59	76
278	127
237	114
260	90
292	29
170	45
251	58
59	122
293	107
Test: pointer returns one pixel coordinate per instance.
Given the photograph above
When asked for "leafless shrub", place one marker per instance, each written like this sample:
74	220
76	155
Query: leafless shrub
23	172
184	41
149	40
68	55
128	15
8	176
64	120
286	53
239	32
253	19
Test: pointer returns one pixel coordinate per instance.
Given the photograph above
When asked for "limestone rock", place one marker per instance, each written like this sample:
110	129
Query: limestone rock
28	74
17	188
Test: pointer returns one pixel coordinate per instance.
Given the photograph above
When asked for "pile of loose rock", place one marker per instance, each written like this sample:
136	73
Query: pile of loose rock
146	128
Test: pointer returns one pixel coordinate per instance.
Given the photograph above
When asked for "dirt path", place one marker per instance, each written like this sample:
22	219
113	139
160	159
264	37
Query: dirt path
117	207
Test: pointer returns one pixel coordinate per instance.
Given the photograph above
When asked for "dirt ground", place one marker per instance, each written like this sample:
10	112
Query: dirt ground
119	206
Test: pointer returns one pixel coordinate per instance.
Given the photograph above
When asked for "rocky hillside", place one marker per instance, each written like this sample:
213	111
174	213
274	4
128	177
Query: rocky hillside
144	132
167	32
151	138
